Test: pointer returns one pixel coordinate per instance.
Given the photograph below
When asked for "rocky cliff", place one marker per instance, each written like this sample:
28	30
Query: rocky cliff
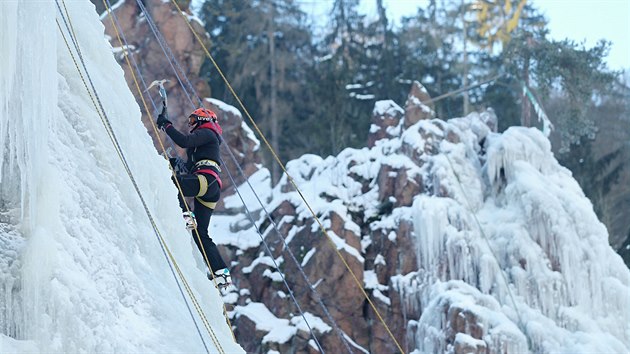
466	241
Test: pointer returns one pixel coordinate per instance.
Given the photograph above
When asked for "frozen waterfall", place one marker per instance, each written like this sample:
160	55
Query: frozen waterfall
81	267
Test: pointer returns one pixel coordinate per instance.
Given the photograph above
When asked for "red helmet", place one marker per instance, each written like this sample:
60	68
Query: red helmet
201	115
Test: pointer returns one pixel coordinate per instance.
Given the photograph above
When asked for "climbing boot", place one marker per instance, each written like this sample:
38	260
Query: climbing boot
189	217
222	277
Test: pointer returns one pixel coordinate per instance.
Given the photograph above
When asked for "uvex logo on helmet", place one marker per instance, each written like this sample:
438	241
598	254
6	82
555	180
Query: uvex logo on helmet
201	115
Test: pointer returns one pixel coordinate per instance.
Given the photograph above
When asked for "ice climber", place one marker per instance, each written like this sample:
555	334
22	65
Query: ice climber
200	179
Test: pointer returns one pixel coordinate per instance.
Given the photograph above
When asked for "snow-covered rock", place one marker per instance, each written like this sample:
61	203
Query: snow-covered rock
466	240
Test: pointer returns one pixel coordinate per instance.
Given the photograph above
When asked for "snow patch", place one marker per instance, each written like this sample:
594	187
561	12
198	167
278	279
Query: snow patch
387	108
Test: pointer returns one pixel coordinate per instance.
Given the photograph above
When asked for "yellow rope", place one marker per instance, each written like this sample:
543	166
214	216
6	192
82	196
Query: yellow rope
273	152
110	134
157	134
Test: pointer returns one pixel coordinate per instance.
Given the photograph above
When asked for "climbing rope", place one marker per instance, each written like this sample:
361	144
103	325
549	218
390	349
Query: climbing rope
105	121
166	49
290	179
460	90
492	252
205	256
171	58
135	65
121	156
318	298
162	45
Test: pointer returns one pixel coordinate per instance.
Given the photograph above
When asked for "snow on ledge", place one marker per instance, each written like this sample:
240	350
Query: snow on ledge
387	107
266	260
224	106
342	245
316	323
280	330
308	256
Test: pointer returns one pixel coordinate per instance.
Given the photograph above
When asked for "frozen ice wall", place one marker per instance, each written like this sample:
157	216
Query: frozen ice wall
508	213
81	267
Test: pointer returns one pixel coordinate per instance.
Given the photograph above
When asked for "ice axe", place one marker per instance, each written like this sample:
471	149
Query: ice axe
177	163
162	91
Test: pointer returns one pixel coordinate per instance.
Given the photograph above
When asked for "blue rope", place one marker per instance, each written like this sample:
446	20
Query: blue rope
124	160
179	162
171	57
167	52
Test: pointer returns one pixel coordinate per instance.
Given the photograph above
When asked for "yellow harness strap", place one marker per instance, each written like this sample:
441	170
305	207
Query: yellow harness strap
203	185
210	163
209	205
203	188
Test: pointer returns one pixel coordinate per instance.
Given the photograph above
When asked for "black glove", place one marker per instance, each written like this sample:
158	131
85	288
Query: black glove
162	120
173	162
178	165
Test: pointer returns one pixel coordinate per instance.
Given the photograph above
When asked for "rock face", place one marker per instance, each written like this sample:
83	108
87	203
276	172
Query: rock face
386	122
413	217
377	243
417	106
153	64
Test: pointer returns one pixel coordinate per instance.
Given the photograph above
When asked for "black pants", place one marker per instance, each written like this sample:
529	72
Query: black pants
190	187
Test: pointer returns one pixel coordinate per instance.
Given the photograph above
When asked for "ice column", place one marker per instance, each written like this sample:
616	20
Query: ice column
28	105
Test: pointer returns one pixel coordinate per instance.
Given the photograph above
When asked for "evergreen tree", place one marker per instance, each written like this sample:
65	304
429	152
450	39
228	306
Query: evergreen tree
595	175
503	96
381	67
343	109
497	26
429	55
581	74
542	64
264	48
234	31
613	137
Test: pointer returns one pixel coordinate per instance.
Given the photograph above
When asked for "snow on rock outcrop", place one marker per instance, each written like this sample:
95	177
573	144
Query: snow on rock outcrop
81	267
465	239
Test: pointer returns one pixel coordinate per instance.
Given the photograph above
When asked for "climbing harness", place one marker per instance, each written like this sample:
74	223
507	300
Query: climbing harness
203	189
209	163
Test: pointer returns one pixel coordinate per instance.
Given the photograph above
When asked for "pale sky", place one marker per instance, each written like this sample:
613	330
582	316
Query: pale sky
592	20
579	20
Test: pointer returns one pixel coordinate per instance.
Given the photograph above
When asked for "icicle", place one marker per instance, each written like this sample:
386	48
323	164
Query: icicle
8	62
540	113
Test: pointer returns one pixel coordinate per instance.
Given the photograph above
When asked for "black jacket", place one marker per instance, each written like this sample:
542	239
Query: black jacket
201	144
